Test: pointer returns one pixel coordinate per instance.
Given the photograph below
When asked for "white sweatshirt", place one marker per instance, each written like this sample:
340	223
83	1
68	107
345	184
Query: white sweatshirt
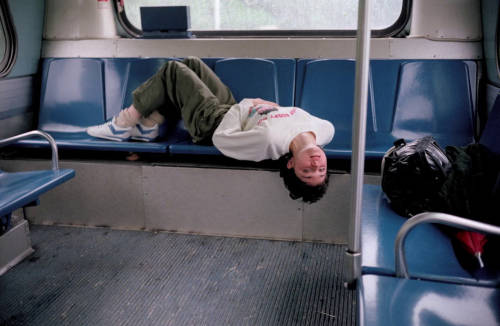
258	132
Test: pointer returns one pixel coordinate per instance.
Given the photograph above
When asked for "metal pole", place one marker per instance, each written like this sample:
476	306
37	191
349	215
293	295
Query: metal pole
216	14
353	266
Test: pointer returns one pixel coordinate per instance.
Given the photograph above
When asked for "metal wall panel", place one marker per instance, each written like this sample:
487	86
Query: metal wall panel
213	201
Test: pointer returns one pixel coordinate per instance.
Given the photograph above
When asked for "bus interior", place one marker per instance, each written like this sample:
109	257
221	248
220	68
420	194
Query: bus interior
171	232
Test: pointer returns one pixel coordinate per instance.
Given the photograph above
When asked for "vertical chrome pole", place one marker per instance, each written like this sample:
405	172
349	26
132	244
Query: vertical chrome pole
353	261
216	14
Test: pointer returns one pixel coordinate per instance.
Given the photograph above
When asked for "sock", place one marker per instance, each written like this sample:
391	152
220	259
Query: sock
128	117
153	119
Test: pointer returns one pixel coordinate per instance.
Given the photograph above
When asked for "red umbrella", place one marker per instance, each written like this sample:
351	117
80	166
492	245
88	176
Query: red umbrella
473	243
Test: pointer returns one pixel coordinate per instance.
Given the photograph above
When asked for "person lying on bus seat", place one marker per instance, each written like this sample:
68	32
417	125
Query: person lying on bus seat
253	129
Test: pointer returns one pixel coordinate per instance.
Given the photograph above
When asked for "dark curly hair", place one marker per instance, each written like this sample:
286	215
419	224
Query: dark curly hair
298	188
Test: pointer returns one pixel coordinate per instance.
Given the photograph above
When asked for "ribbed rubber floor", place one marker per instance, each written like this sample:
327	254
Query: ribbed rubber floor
80	276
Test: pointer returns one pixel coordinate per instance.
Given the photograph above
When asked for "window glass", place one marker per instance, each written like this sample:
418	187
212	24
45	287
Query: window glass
274	15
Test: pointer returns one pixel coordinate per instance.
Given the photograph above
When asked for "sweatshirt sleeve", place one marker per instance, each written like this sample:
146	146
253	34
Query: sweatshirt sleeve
232	141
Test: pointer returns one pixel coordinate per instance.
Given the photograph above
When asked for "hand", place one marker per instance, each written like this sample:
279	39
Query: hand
257	101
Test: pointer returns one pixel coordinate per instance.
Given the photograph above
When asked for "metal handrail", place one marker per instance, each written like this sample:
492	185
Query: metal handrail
433	217
29	134
353	252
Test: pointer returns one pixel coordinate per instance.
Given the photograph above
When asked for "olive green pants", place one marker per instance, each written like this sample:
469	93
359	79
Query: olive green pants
190	90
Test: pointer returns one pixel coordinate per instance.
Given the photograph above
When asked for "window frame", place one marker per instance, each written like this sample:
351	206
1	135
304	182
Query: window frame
9	31
392	31
497	46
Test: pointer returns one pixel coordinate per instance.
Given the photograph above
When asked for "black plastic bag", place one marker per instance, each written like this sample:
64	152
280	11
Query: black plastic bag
412	175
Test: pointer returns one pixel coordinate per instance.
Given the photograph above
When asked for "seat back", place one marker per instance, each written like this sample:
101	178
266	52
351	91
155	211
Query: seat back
491	133
325	88
249	78
125	75
72	97
434	98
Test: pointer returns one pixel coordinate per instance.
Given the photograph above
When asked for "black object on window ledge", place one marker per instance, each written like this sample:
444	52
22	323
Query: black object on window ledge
166	22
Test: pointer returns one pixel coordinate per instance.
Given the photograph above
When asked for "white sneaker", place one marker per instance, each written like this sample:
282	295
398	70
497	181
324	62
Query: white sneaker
110	130
143	133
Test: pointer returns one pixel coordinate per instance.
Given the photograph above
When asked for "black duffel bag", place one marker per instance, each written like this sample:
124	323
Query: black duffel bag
412	175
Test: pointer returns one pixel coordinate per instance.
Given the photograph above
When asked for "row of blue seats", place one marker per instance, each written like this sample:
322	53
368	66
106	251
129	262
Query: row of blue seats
407	99
440	291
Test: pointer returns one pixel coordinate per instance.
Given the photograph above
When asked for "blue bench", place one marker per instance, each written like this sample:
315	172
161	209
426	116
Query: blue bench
420	300
77	93
430	252
429	297
407	99
389	301
20	189
271	80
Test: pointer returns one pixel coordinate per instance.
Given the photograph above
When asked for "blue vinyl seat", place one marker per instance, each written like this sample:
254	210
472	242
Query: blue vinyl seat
249	78
429	251
19	189
390	301
490	136
271	80
439	291
325	88
435	98
405	100
77	93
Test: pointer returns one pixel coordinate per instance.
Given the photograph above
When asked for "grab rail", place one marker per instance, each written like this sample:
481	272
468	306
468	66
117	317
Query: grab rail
29	134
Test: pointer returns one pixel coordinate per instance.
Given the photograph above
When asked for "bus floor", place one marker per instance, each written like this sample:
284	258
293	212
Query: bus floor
99	276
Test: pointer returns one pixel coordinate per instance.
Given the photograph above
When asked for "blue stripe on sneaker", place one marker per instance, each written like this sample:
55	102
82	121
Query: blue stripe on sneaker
117	132
144	132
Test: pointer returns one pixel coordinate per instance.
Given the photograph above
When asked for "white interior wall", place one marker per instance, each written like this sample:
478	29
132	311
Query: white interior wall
445	20
448	29
79	19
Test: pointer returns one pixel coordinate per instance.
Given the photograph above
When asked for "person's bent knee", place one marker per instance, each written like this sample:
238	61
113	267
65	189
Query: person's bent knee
192	61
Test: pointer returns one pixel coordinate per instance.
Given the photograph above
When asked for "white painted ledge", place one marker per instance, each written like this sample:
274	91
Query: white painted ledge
342	48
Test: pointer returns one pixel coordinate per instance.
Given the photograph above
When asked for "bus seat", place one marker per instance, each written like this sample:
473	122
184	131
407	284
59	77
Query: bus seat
325	88
426	95
489	136
435	98
123	76
18	189
249	78
390	301
269	79
429	251
74	96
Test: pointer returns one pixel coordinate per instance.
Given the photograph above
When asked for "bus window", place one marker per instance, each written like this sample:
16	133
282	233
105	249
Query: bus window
278	17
